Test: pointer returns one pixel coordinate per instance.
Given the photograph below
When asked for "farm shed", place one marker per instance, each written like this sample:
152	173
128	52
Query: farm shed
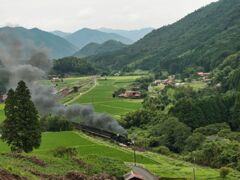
133	176
203	74
130	94
139	173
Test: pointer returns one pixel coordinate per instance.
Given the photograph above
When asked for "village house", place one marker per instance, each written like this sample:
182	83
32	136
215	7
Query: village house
168	82
139	173
203	74
130	94
179	84
157	82
133	176
56	78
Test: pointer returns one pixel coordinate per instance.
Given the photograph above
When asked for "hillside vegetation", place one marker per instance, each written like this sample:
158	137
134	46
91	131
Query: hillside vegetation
110	160
102	100
35	38
73	65
98	49
134	35
200	40
2	116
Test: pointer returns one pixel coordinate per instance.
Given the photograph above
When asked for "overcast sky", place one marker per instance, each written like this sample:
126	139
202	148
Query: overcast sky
71	15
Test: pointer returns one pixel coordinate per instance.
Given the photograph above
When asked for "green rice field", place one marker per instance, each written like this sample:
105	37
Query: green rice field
88	148
101	96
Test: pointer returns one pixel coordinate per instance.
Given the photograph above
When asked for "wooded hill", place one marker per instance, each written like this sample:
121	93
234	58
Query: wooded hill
200	40
85	36
99	49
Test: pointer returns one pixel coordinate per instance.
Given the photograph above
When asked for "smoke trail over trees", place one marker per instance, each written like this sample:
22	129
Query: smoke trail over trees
31	64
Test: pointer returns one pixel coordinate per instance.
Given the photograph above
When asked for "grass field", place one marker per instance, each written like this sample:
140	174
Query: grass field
101	96
102	156
67	82
96	151
2	116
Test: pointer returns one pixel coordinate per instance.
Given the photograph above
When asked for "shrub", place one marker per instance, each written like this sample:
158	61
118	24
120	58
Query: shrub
65	152
162	150
224	171
55	123
118	92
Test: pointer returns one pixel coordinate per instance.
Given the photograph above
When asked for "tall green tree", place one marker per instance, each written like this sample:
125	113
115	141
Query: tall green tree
21	129
9	127
235	120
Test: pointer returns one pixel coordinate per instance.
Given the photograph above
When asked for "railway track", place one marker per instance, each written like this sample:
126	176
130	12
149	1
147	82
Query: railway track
122	139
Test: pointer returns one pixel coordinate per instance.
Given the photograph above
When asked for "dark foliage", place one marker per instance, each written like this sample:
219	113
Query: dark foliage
65	152
207	110
98	49
55	123
21	128
73	65
201	40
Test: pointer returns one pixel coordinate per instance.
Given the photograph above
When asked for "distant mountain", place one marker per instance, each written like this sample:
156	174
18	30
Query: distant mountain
60	33
36	38
85	36
134	35
201	40
98	49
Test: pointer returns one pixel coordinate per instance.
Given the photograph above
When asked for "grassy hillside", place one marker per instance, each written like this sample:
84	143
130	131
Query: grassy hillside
67	82
101	96
98	49
88	151
1	113
200	40
94	154
85	83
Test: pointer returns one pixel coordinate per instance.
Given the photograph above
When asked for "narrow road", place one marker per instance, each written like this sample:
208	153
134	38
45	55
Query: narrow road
78	96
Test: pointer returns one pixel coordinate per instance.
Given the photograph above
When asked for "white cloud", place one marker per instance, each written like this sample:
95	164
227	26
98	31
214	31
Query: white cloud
86	13
74	14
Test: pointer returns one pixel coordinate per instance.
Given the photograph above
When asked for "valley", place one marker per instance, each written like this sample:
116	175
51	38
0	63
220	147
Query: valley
99	94
88	149
81	100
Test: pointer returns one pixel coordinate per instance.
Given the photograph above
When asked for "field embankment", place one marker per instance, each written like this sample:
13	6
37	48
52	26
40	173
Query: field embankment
101	96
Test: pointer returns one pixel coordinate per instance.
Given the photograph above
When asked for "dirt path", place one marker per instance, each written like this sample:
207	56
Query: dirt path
80	94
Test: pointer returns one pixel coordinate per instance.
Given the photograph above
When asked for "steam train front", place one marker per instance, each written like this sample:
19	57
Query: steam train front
119	138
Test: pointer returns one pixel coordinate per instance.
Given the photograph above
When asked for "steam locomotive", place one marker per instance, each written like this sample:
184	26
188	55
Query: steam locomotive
119	138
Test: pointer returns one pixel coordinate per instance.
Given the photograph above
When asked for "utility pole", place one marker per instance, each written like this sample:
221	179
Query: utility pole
134	154
194	174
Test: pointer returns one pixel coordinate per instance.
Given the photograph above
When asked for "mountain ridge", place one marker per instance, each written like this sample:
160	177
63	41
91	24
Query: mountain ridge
84	36
134	35
201	40
97	49
36	38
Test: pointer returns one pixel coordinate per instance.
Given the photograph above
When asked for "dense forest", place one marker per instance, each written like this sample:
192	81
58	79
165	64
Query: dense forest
73	65
99	49
201	40
197	125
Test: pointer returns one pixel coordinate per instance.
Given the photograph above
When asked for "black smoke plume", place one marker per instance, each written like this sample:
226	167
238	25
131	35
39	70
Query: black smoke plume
31	64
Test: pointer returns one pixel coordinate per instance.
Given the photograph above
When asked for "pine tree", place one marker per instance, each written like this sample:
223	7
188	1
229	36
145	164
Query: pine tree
9	127
22	123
